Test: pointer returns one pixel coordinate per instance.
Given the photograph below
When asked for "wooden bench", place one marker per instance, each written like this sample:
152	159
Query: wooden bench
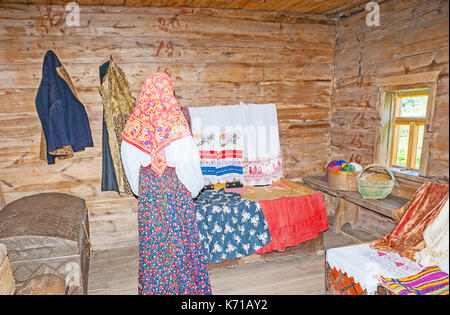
348	202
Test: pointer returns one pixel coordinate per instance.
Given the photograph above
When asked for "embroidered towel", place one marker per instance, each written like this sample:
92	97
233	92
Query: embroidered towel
262	154
218	133
238	142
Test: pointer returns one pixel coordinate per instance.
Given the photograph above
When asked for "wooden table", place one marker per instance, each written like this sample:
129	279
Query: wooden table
349	202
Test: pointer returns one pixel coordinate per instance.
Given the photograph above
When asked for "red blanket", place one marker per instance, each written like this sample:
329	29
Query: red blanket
293	220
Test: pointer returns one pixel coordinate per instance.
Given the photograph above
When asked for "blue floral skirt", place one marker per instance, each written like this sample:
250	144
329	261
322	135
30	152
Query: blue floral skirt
171	259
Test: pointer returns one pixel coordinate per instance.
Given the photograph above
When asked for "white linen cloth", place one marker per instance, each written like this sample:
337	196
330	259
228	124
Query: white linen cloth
262	153
238	142
182	154
365	263
218	133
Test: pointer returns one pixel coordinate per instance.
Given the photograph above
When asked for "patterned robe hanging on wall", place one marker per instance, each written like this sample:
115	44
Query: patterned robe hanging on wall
118	104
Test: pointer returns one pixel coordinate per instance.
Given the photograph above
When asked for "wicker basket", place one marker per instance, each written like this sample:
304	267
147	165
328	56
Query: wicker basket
341	180
375	186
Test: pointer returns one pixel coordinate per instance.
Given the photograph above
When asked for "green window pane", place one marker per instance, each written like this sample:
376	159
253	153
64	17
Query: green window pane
419	146
413	106
403	142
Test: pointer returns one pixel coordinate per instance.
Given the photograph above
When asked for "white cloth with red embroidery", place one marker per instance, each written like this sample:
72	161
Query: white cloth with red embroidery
262	153
238	142
365	264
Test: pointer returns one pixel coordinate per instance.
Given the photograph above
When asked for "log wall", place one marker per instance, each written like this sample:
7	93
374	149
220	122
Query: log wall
214	57
413	37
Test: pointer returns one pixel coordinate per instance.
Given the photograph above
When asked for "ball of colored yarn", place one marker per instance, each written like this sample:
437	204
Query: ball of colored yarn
357	166
348	168
343	164
336	168
340	162
331	164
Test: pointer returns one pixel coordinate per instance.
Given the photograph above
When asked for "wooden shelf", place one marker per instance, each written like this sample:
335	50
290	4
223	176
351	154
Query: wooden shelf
348	203
381	206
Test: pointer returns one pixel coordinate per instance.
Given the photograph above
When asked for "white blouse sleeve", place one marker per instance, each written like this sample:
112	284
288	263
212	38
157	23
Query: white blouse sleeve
132	160
184	155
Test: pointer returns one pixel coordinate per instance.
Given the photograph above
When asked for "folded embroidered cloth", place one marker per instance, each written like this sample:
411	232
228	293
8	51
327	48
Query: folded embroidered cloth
270	193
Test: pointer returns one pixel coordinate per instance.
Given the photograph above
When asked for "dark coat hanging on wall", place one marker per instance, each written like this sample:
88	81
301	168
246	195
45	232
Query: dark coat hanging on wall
64	121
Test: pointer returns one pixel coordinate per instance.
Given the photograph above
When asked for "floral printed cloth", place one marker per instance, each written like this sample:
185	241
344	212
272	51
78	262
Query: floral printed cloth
171	260
229	226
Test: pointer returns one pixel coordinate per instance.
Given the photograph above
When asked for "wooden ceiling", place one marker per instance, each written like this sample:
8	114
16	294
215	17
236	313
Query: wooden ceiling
327	7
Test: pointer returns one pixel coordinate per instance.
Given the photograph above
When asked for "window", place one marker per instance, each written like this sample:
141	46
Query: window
408	124
405	110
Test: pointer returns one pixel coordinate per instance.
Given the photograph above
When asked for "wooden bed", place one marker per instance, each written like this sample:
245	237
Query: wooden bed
312	246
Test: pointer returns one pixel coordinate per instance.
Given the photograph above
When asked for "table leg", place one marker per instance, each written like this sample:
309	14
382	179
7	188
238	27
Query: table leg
346	212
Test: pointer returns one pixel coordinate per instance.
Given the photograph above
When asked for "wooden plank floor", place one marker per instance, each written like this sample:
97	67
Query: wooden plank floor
114	271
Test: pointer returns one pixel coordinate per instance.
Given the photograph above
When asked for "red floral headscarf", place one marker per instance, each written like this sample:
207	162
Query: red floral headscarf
156	121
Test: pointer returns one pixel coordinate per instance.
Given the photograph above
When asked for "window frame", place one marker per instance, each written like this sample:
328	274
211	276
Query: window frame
387	87
414	124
